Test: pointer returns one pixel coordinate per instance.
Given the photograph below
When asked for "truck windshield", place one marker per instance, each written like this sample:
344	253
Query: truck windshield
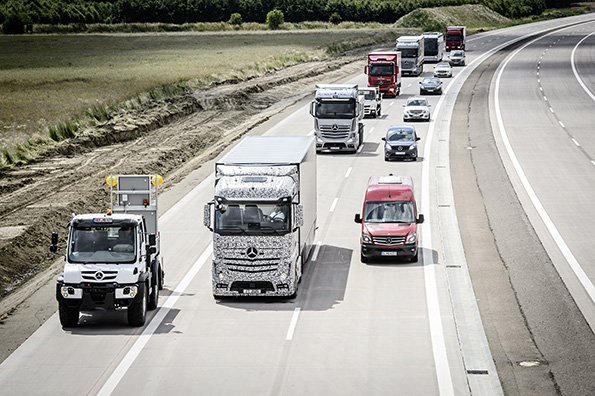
330	109
430	46
253	218
409	52
453	37
381	69
368	95
389	212
105	244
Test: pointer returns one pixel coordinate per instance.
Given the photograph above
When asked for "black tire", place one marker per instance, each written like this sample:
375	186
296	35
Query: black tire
378	112
69	316
414	258
363	258
137	311
386	159
161	275
154	295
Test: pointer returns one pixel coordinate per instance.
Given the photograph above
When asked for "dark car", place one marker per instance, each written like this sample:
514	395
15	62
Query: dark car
430	85
400	142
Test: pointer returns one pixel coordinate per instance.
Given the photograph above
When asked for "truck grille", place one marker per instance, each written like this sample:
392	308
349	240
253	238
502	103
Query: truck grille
99	276
335	131
252	266
389	240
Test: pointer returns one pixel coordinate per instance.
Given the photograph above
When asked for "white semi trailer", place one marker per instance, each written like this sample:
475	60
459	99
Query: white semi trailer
113	259
263	216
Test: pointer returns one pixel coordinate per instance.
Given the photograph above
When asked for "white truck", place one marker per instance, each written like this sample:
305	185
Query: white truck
113	259
263	216
372	101
412	54
337	110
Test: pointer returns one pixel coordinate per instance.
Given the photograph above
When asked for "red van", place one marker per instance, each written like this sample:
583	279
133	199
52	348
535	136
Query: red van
389	221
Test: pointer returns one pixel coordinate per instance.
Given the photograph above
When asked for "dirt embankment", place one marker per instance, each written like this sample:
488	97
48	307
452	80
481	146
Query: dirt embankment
170	137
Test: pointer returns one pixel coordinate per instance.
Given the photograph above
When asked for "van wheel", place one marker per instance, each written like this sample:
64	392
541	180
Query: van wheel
414	258
137	311
363	258
69	316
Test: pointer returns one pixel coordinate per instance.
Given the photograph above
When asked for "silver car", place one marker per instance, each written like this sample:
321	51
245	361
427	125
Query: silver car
416	109
443	69
457	57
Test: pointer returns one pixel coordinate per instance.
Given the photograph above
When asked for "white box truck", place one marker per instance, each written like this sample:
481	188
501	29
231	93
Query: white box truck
337	110
263	216
113	259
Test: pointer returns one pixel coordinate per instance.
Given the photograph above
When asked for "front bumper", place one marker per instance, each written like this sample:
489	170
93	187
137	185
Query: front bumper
422	116
265	285
396	154
375	251
89	296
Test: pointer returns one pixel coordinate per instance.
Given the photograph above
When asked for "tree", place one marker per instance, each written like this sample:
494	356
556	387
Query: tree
335	18
275	19
235	19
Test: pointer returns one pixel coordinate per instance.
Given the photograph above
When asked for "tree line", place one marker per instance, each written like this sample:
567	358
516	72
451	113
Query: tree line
54	12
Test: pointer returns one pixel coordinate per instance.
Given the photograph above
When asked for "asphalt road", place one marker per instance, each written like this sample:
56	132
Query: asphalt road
381	328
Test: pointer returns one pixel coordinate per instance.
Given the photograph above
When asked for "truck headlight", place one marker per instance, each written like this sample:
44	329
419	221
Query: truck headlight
366	238
283	276
411	238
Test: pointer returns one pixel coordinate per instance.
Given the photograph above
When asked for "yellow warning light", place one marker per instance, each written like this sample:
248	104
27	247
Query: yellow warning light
159	180
112	180
108	212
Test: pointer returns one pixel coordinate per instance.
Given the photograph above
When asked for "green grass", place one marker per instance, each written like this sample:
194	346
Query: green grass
47	81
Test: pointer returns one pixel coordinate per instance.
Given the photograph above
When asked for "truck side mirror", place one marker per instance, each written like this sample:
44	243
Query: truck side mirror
312	109
151	249
299	216
420	219
207	215
54	245
366	69
357	218
152	240
385	141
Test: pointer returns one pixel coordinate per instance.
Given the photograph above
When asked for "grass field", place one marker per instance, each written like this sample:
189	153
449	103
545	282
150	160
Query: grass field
46	79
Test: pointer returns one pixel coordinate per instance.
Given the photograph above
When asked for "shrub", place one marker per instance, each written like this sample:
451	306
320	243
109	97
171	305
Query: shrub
235	19
335	18
15	23
275	19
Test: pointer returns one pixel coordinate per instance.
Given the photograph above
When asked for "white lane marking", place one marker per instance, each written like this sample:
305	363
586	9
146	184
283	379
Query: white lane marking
120	371
541	89
334	204
409	85
545	98
561	124
445	385
572	63
316	251
552	110
294	319
371	129
575	142
391	103
361	147
559	240
348	172
593	162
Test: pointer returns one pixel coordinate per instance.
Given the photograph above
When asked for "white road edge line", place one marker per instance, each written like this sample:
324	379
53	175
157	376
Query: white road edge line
564	249
371	129
580	81
122	368
575	142
561	124
348	172
294	319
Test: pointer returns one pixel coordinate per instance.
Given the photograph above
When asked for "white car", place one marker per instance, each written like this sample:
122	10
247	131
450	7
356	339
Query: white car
443	69
416	109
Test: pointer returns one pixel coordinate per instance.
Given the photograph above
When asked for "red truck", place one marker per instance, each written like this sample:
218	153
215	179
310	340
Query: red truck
389	220
384	71
455	37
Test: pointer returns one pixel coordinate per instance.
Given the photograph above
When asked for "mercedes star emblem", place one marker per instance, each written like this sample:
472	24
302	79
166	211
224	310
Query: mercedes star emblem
251	252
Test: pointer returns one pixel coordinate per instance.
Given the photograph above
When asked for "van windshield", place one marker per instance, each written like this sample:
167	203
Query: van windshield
389	212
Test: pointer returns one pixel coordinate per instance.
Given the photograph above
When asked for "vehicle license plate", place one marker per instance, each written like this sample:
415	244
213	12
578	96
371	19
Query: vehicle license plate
388	253
399	153
335	148
251	291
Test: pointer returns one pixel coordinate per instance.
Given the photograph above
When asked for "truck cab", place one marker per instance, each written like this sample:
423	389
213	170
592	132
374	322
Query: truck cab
113	259
337	110
412	54
456	37
384	72
389	219
372	101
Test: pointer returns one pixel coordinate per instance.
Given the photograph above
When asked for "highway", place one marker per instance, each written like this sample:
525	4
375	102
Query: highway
378	328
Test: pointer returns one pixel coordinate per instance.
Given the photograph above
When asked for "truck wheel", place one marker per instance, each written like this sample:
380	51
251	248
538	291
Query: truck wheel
69	316
154	295
378	112
137	311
